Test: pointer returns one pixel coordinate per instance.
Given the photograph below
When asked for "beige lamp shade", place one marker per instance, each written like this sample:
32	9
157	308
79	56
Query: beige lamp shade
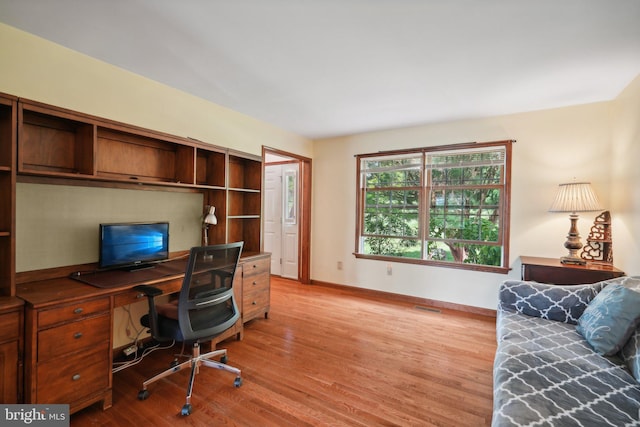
575	197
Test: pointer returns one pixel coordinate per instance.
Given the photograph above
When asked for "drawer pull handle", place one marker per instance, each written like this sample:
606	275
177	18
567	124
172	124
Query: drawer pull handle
78	310
76	377
255	266
254	283
77	335
254	303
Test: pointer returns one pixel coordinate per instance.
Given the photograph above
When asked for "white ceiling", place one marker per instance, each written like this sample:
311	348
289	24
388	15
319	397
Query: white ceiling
332	67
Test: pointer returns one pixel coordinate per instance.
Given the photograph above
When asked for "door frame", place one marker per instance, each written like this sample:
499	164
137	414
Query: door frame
304	198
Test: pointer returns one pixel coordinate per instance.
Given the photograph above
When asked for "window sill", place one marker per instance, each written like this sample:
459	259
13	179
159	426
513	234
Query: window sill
473	267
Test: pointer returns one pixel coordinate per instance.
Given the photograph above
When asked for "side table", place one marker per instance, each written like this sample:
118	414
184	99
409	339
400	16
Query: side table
551	270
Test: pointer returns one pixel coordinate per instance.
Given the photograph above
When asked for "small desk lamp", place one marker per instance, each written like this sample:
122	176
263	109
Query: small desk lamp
208	219
574	197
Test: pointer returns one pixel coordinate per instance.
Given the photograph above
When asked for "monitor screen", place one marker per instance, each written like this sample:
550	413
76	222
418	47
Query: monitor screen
133	244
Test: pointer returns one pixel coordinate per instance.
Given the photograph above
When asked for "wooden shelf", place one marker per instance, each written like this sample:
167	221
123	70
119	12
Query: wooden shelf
11	320
243	203
49	143
8	134
210	168
57	145
245	173
247	230
125	156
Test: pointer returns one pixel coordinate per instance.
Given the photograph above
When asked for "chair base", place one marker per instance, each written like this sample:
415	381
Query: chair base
194	362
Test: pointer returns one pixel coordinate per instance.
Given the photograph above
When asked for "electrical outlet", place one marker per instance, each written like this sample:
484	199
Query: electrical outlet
130	350
389	270
339	265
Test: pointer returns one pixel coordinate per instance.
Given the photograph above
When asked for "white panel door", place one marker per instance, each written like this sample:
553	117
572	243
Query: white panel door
290	222
273	215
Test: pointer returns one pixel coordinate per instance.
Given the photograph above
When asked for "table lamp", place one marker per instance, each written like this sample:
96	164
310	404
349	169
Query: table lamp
574	197
209	218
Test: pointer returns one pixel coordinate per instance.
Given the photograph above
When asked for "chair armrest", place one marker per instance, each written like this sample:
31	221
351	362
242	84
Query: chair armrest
150	320
552	302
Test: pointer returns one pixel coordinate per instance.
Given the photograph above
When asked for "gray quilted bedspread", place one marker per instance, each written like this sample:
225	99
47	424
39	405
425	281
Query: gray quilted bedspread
546	374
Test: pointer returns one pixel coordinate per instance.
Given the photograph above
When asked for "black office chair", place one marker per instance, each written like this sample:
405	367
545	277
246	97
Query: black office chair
204	309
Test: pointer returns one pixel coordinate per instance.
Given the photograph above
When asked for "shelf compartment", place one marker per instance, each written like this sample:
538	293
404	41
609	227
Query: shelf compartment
244	203
7	202
54	145
210	169
7	130
246	230
127	156
245	173
7	257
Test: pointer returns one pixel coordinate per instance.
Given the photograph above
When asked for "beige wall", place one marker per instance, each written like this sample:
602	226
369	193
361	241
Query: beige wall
625	179
553	146
58	225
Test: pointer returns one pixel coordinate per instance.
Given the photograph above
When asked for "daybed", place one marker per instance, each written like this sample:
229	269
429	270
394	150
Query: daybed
546	373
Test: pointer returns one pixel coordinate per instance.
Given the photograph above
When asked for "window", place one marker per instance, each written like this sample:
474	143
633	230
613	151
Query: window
444	205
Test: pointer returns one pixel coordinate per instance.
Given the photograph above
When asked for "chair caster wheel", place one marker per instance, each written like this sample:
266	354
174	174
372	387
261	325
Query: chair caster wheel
237	382
186	409
223	359
143	394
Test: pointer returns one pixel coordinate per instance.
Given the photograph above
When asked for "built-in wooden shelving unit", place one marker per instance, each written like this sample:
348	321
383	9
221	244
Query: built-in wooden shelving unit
59	143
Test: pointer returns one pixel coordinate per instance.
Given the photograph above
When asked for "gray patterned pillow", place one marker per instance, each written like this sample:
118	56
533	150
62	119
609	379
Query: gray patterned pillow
552	302
610	319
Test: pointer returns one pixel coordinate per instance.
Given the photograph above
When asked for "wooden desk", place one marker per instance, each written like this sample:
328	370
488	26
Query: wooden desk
69	331
551	270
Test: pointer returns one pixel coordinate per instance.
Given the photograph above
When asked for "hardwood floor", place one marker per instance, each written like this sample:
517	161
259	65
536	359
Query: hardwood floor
326	356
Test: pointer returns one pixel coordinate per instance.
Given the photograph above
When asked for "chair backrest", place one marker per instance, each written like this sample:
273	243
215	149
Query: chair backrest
206	306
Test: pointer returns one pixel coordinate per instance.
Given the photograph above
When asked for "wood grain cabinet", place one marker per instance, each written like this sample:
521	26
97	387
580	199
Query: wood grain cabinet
68	354
256	287
11	308
551	270
10	350
8	122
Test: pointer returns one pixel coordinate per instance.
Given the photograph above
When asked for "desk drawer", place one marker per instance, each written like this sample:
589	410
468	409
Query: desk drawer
71	337
133	296
72	379
72	312
129	297
255	307
255	296
253	267
9	326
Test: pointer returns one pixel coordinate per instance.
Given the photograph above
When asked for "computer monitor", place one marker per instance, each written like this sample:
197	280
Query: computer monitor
133	245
